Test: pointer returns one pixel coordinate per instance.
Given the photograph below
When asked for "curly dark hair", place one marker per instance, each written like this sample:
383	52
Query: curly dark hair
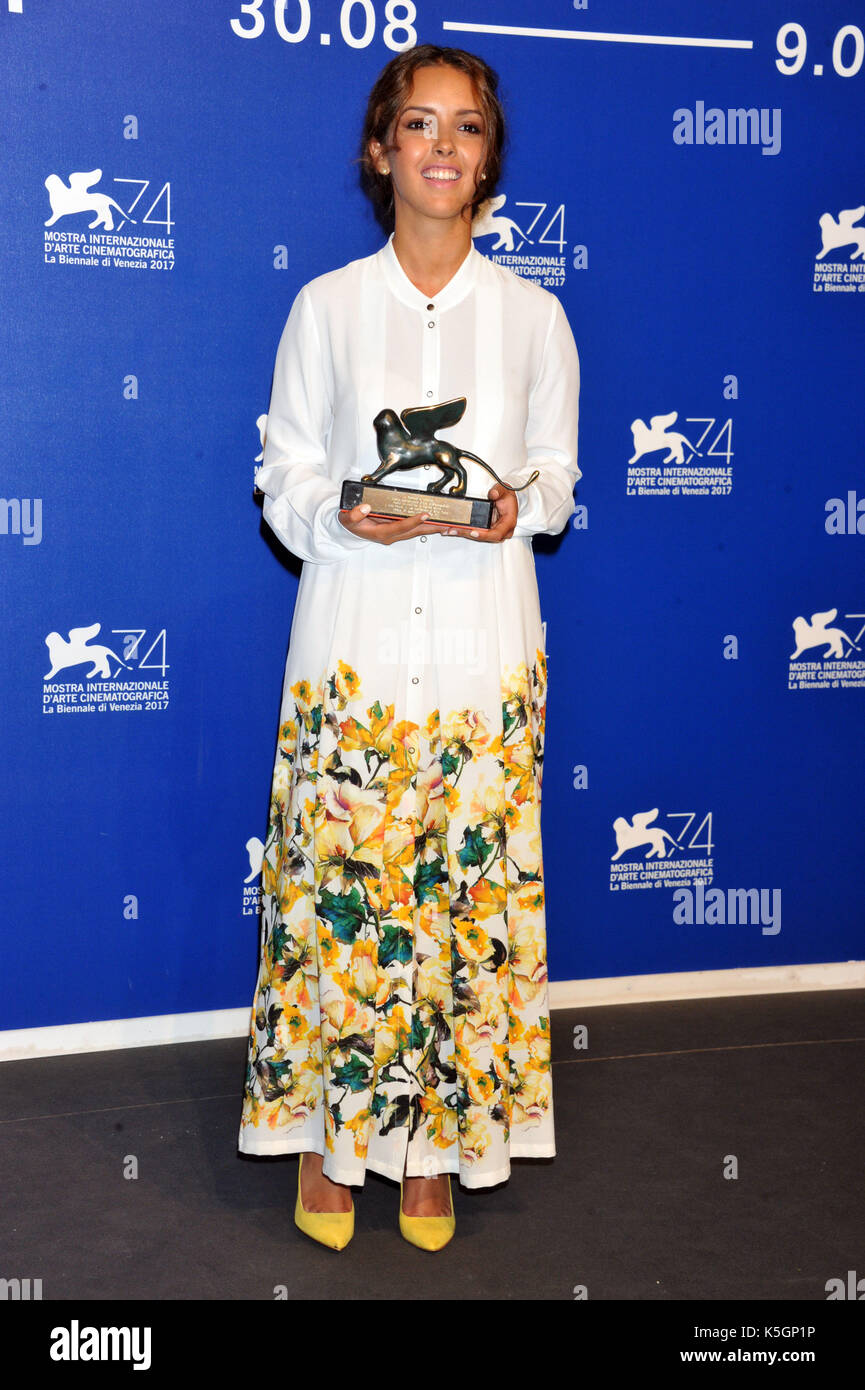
391	93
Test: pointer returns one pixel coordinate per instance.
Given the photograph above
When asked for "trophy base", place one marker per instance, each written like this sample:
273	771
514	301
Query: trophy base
402	501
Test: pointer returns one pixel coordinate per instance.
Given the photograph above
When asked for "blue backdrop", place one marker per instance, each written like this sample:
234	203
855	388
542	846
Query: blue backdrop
172	173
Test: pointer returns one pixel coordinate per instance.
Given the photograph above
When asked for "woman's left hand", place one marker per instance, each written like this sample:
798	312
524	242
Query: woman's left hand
504	518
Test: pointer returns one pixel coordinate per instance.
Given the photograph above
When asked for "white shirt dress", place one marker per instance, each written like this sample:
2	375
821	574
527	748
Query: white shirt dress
401	1016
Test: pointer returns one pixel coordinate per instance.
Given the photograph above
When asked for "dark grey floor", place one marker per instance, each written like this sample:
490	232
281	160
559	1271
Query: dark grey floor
634	1206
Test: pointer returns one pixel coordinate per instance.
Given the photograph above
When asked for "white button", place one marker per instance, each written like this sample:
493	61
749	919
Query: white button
423	540
429	393
415	679
431	324
418	610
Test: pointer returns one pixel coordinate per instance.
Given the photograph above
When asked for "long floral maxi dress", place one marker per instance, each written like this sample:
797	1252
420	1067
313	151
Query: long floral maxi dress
401	1016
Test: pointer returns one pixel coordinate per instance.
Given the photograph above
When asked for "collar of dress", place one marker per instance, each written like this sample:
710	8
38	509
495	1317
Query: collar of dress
456	288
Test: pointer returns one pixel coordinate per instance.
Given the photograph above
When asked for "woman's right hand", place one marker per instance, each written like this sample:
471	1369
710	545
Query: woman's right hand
387	530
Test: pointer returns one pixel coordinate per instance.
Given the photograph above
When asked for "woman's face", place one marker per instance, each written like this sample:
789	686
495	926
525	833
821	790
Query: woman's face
441	137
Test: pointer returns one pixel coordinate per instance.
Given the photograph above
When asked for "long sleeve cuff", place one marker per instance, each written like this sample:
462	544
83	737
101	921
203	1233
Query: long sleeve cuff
328	516
317	535
546	504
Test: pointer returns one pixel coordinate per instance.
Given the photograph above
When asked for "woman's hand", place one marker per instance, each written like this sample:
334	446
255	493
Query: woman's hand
387	530
505	512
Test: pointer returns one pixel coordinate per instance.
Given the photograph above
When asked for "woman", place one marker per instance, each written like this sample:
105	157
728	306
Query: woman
400	1020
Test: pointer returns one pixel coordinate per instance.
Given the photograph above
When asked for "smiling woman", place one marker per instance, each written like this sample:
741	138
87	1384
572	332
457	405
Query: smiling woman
401	1018
413	88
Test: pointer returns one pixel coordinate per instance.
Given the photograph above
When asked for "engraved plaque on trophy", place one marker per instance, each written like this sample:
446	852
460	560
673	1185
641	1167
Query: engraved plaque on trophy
407	441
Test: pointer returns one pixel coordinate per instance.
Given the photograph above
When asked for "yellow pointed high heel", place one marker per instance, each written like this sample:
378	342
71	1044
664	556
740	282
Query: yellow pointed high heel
427	1232
332	1228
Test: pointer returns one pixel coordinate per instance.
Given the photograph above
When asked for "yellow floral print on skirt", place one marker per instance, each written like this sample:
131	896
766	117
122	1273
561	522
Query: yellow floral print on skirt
400	1020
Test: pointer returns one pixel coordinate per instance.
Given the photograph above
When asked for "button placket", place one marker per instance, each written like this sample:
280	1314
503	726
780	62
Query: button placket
419	607
430	366
417	653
